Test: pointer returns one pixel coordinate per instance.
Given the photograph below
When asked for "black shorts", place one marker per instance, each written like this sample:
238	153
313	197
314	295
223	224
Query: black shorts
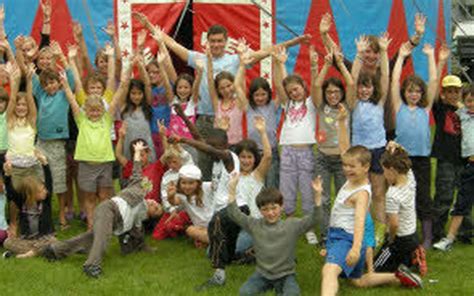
399	252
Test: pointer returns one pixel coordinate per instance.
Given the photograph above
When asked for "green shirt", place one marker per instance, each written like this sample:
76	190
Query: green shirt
93	142
3	132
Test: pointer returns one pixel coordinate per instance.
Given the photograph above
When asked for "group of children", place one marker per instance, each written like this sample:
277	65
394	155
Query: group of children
199	155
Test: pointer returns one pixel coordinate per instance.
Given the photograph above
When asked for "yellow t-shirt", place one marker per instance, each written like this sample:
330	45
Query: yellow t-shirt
81	97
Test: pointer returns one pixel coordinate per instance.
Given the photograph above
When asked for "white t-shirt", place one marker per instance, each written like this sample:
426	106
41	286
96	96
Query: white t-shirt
200	216
247	190
220	181
299	126
168	177
400	200
130	216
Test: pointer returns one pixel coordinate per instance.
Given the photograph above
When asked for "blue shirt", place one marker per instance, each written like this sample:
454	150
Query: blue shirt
269	112
367	125
160	108
52	121
228	62
413	130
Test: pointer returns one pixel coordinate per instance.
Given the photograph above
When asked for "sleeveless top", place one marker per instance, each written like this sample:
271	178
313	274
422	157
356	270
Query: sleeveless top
342	215
327	132
368	125
413	130
21	141
234	114
247	190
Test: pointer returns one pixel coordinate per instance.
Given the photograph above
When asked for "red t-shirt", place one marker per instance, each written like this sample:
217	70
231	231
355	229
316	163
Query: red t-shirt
153	172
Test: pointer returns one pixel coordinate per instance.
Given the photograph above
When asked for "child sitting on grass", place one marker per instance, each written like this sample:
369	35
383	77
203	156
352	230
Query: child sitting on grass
274	239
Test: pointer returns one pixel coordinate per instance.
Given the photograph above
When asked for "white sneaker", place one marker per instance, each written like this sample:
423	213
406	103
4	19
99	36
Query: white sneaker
445	244
311	238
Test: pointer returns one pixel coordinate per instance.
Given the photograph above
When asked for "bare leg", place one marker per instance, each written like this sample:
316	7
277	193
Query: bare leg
378	196
369	259
28	254
375	279
329	282
198	233
90	199
62	209
105	193
456	222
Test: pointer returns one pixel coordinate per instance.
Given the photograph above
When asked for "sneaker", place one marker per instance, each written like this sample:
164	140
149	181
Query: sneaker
311	238
445	244
7	255
407	278
93	271
49	253
211	283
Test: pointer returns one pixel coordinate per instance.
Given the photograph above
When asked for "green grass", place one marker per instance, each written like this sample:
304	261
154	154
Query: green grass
177	267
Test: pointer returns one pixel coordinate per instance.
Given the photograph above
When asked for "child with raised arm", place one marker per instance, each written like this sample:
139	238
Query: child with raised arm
327	94
465	196
368	118
296	139
274	239
94	147
53	129
121	215
345	245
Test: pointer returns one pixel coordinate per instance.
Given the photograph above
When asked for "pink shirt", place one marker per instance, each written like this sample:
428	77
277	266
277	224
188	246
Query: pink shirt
234	115
177	125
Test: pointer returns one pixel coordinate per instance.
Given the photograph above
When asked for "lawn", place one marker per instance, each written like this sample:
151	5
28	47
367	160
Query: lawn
177	267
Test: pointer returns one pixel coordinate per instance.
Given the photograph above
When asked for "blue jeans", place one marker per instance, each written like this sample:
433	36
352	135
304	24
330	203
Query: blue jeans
447	180
273	176
328	167
258	284
244	242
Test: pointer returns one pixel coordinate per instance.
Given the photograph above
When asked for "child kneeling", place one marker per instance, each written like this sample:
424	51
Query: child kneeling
274	240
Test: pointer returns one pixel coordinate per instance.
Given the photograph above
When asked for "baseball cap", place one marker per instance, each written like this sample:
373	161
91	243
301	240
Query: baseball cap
190	171
451	80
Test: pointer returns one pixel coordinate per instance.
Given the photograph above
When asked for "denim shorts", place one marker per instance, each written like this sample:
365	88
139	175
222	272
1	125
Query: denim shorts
338	244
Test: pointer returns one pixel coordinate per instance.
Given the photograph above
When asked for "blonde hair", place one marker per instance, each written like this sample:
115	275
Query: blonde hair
170	152
15	120
94	102
28	187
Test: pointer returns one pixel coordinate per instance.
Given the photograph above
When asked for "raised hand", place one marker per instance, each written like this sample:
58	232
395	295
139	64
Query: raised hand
420	21
338	56
30	70
63	78
325	23
428	49
139	17
260	124
161	127
313	56
328	58
384	41
444	52
158	34
280	54
200	64
19	41
72	51
77	30
138	147
160	57
56	49
46	8
362	43
405	50
108	50
109	29
13	71
141	37
2	13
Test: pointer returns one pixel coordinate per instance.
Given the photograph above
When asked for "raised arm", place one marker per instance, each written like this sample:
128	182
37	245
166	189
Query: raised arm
58	54
76	110
119	147
239	82
403	52
119	96
260	54
143	74
420	21
350	83
158	34
79	37
362	43
72	55
279	58
160	58
110	31
109	52
443	56
200	64
222	154
265	163
32	111
210	81
324	27
14	75
384	42
343	134
317	80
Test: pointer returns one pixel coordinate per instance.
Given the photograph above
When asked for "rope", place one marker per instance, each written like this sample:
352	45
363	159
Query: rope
91	24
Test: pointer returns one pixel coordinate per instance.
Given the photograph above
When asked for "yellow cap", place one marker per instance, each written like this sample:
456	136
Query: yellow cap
451	80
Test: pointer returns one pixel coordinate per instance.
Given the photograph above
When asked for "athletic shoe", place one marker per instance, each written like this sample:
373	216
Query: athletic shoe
93	271
7	255
419	260
407	278
445	244
311	238
211	283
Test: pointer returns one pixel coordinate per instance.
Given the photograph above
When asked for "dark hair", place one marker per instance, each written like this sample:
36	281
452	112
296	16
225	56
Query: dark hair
468	90
256	84
397	160
218	135
414	80
249	146
294	78
129	107
199	194
4	94
132	143
47	75
149	224
368	79
185	77
337	83
95	77
100	54
221	76
269	196
217	29
361	153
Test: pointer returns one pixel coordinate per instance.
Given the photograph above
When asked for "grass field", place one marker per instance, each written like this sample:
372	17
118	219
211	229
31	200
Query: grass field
177	267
